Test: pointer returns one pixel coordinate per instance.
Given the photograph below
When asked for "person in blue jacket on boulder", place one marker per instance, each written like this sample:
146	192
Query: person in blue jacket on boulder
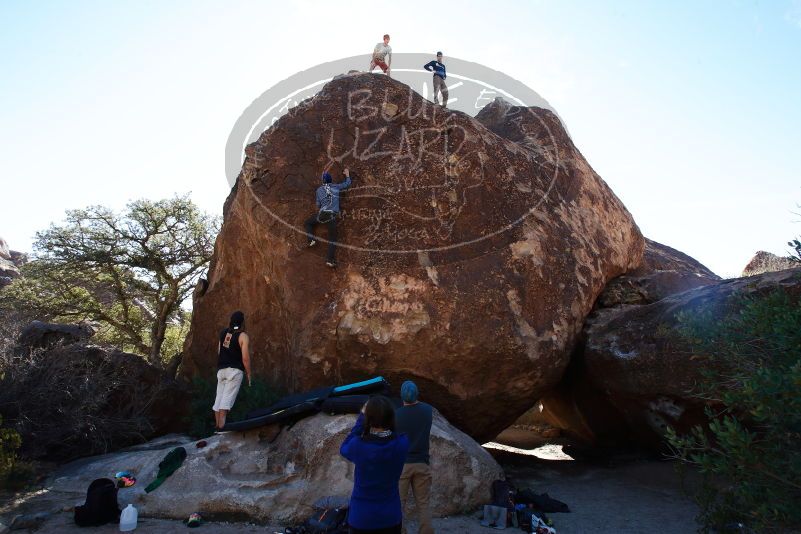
378	454
438	68
327	199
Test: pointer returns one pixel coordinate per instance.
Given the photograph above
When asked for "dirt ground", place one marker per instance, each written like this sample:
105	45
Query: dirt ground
621	495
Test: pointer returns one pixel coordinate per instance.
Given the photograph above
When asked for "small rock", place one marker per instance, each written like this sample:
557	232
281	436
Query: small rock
766	262
43	335
551	433
29	521
390	110
18	258
8	269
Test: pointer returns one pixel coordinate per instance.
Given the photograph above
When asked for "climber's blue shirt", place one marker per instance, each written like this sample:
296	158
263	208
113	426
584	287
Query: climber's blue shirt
331	203
436	67
375	502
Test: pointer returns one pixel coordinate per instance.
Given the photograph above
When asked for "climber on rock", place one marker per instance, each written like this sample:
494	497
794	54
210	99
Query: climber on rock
233	364
327	199
382	56
438	68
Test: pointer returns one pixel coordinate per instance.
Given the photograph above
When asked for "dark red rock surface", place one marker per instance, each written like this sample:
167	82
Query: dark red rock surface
478	247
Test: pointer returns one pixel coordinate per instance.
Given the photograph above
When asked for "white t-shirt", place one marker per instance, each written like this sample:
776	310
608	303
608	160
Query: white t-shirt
381	51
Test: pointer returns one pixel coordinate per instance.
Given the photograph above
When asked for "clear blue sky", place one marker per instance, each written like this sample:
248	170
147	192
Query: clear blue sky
690	110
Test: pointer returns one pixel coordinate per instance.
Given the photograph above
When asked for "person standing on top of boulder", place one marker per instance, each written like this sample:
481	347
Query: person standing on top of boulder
233	362
377	452
438	68
327	198
414	419
382	56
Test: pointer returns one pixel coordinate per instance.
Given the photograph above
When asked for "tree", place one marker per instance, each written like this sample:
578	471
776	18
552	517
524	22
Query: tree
129	272
748	452
796	244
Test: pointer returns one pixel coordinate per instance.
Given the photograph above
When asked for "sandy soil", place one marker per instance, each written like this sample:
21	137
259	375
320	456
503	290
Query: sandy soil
620	495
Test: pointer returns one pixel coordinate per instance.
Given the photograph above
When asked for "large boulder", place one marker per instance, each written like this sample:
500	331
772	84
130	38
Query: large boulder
264	477
39	334
639	376
473	249
575	405
767	262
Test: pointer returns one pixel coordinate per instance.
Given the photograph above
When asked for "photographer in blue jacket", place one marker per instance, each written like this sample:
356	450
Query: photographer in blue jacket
378	454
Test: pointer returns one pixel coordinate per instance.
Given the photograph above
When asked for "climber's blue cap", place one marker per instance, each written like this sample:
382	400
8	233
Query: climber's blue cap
326	177
409	392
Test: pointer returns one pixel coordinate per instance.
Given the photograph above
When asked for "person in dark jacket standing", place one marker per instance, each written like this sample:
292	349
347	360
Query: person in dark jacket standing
327	199
414	419
233	362
378	453
438	68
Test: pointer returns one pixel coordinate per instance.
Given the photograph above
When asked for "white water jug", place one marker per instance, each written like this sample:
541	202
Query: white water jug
128	518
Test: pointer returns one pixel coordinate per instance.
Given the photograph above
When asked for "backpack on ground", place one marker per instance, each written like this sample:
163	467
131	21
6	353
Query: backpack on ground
324	521
101	505
533	521
542	502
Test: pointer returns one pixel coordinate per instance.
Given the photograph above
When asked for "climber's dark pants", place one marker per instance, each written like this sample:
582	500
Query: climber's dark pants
439	85
328	218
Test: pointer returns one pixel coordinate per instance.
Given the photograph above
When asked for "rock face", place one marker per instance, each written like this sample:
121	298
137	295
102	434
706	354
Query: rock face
766	262
476	249
267	478
664	271
8	270
659	257
4	251
10	262
636	376
578	405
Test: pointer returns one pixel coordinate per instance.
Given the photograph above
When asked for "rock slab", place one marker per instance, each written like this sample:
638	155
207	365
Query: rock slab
267	478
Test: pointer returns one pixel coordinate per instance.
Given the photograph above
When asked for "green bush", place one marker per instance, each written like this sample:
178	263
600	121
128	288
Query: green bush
749	454
9	443
14	474
201	419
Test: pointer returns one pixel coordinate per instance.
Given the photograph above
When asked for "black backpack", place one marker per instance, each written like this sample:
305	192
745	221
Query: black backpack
101	505
542	502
